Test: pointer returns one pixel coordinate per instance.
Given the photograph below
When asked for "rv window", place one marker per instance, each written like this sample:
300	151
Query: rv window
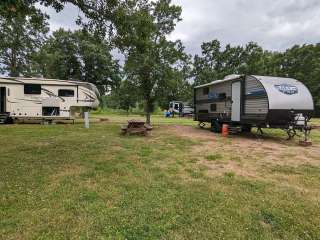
205	91
213	107
222	96
203	111
65	93
32	89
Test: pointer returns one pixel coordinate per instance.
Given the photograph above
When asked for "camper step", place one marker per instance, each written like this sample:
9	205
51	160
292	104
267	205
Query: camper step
3	117
234	130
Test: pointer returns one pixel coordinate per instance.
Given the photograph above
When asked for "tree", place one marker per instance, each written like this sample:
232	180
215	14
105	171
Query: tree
21	36
178	87
79	55
127	96
252	60
151	59
303	63
103	15
215	62
208	66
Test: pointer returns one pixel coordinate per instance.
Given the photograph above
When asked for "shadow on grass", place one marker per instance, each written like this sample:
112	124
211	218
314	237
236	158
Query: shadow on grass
269	135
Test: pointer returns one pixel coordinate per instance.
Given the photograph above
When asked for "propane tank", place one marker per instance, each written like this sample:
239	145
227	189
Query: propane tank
225	130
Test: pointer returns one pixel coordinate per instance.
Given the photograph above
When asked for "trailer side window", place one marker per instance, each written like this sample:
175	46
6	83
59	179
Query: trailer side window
206	91
203	111
65	93
222	96
32	89
213	107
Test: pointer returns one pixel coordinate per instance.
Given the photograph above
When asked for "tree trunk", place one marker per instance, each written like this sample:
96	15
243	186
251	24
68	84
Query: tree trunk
148	118
13	64
148	110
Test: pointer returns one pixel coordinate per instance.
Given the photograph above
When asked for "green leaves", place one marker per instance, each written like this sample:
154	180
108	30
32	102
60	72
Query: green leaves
79	55
152	61
21	36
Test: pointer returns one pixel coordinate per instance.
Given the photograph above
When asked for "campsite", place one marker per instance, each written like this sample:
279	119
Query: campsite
159	119
181	182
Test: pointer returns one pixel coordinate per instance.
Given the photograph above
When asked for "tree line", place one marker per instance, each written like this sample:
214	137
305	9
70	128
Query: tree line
153	71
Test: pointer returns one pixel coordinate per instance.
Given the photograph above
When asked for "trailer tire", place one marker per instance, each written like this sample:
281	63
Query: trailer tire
246	128
8	120
201	125
216	126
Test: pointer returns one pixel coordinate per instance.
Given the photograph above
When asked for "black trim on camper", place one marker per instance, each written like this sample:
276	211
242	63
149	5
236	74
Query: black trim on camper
77	93
3	100
283	116
66	93
212	100
32	89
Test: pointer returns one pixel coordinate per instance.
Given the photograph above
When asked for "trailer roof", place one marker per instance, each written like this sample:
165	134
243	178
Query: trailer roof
235	76
22	79
46	81
226	79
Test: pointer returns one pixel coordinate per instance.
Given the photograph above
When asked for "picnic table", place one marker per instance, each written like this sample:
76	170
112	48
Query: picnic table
137	127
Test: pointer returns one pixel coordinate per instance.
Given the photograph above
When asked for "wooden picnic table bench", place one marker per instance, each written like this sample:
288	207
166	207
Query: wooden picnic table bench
137	127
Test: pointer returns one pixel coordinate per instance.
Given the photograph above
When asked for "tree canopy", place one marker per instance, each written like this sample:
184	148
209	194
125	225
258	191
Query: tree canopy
152	61
21	36
79	55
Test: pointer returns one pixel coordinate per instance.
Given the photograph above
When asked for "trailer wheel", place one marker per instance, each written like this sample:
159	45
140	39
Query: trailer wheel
216	126
291	133
246	128
9	120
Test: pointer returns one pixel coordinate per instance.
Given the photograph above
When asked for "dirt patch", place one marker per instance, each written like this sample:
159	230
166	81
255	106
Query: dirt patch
249	155
104	119
190	132
313	126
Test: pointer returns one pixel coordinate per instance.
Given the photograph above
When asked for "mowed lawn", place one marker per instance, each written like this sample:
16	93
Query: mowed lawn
67	182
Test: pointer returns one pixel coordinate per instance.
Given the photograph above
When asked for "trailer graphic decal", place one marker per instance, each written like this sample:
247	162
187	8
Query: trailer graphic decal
257	93
287	89
213	95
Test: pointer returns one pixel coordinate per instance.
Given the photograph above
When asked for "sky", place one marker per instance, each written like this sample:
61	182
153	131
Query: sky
273	24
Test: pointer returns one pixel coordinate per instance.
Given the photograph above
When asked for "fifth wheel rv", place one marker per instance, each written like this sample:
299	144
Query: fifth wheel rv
44	99
254	101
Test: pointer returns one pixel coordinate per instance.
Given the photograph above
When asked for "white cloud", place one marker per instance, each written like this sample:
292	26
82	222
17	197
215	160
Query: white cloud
65	19
273	24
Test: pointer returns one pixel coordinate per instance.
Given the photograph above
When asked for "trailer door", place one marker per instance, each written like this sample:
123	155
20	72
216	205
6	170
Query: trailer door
236	101
2	99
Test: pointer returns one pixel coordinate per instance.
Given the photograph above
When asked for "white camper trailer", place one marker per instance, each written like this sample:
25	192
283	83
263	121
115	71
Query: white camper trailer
180	108
37	98
259	101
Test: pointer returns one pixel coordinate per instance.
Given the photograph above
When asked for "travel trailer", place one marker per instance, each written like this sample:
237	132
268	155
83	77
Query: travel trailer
254	101
180	108
44	99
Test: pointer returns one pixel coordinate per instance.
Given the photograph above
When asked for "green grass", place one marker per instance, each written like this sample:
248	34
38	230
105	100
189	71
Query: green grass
214	157
66	182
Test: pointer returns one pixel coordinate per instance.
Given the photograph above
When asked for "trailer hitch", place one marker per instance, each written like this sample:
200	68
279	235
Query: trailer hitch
291	131
295	125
